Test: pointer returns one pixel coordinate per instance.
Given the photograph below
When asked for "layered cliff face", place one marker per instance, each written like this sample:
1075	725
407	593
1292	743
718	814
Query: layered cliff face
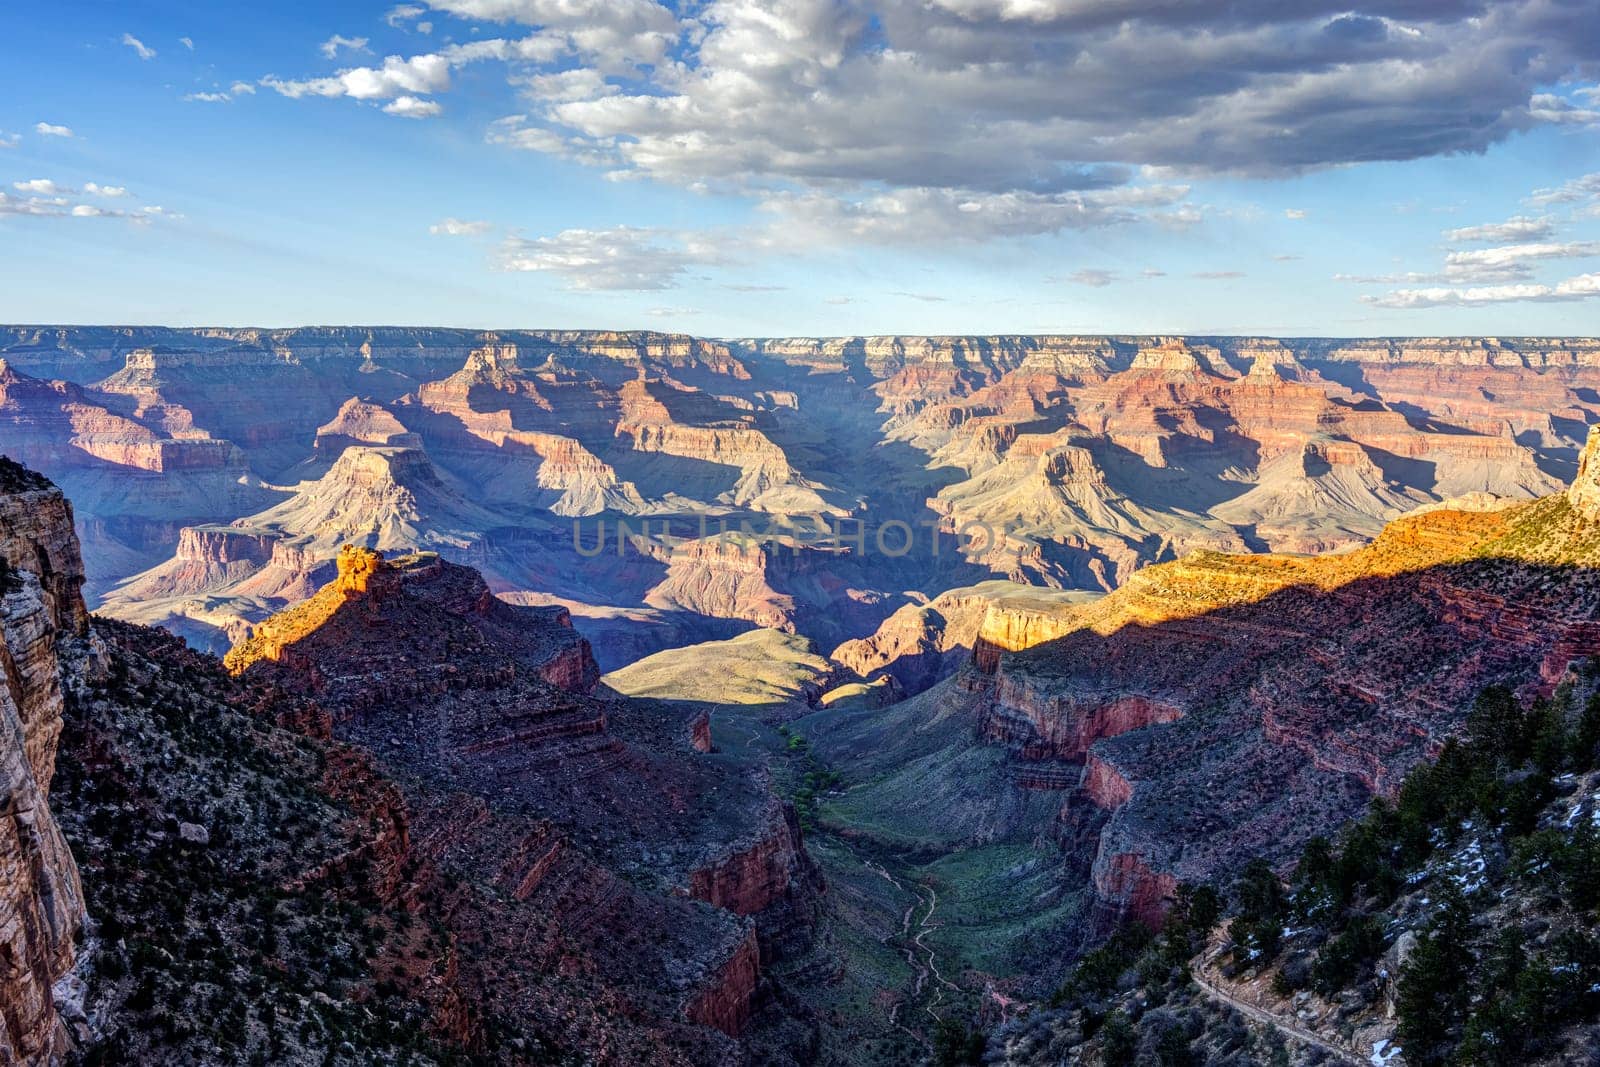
45	631
922	644
1291	688
670	873
1063	461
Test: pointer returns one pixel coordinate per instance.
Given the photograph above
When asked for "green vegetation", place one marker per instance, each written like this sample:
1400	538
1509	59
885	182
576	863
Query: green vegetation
1466	994
212	948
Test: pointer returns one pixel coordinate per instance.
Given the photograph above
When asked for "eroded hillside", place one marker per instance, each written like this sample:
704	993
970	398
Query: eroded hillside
217	471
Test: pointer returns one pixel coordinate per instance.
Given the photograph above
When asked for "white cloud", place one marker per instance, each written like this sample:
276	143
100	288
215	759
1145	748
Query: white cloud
1217	275
412	107
10	140
1519	228
1546	107
1294	213
144	50
672	312
399	14
48	200
45	129
1581	287
453	227
187	42
620	258
1092	277
330	47
617	33
41	187
1573	192
220	96
1511	262
112	191
995	118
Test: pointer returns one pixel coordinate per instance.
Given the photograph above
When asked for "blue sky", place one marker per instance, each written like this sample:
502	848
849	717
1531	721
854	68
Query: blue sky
745	167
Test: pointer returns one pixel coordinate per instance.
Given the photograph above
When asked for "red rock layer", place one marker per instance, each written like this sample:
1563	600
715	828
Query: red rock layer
42	622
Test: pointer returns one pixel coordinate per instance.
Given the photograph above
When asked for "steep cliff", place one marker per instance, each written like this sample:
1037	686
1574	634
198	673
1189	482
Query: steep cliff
605	819
46	635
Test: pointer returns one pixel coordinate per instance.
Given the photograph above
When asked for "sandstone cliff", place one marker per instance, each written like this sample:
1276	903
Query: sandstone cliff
45	629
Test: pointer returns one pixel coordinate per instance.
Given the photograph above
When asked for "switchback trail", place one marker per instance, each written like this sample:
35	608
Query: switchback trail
919	954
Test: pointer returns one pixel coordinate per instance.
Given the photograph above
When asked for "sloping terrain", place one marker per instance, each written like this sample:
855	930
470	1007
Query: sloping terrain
1211	711
403	829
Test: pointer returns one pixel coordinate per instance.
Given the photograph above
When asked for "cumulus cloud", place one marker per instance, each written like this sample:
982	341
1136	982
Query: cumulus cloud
46	129
330	47
620	258
1012	95
453	227
868	117
113	191
41	187
187	42
617	33
1519	228
412	107
144	50
10	140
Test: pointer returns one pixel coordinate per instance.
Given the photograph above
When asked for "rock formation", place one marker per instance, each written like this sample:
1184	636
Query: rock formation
1089	457
44	625
572	797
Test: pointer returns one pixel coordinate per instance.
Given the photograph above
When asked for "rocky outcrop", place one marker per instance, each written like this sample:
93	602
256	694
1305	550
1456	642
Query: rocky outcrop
1584	493
44	625
1127	890
491	714
752	877
920	644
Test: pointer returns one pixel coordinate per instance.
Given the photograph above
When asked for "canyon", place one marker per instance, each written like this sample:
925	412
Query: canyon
216	472
539	622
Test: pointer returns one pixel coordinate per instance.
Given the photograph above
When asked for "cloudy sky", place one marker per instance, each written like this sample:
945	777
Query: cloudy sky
736	167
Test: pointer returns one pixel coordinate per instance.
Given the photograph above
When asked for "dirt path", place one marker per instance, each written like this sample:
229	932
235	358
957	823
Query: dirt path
1213	987
922	957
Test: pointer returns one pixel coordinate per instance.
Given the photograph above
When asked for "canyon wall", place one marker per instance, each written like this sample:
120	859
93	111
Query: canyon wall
1080	459
44	627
